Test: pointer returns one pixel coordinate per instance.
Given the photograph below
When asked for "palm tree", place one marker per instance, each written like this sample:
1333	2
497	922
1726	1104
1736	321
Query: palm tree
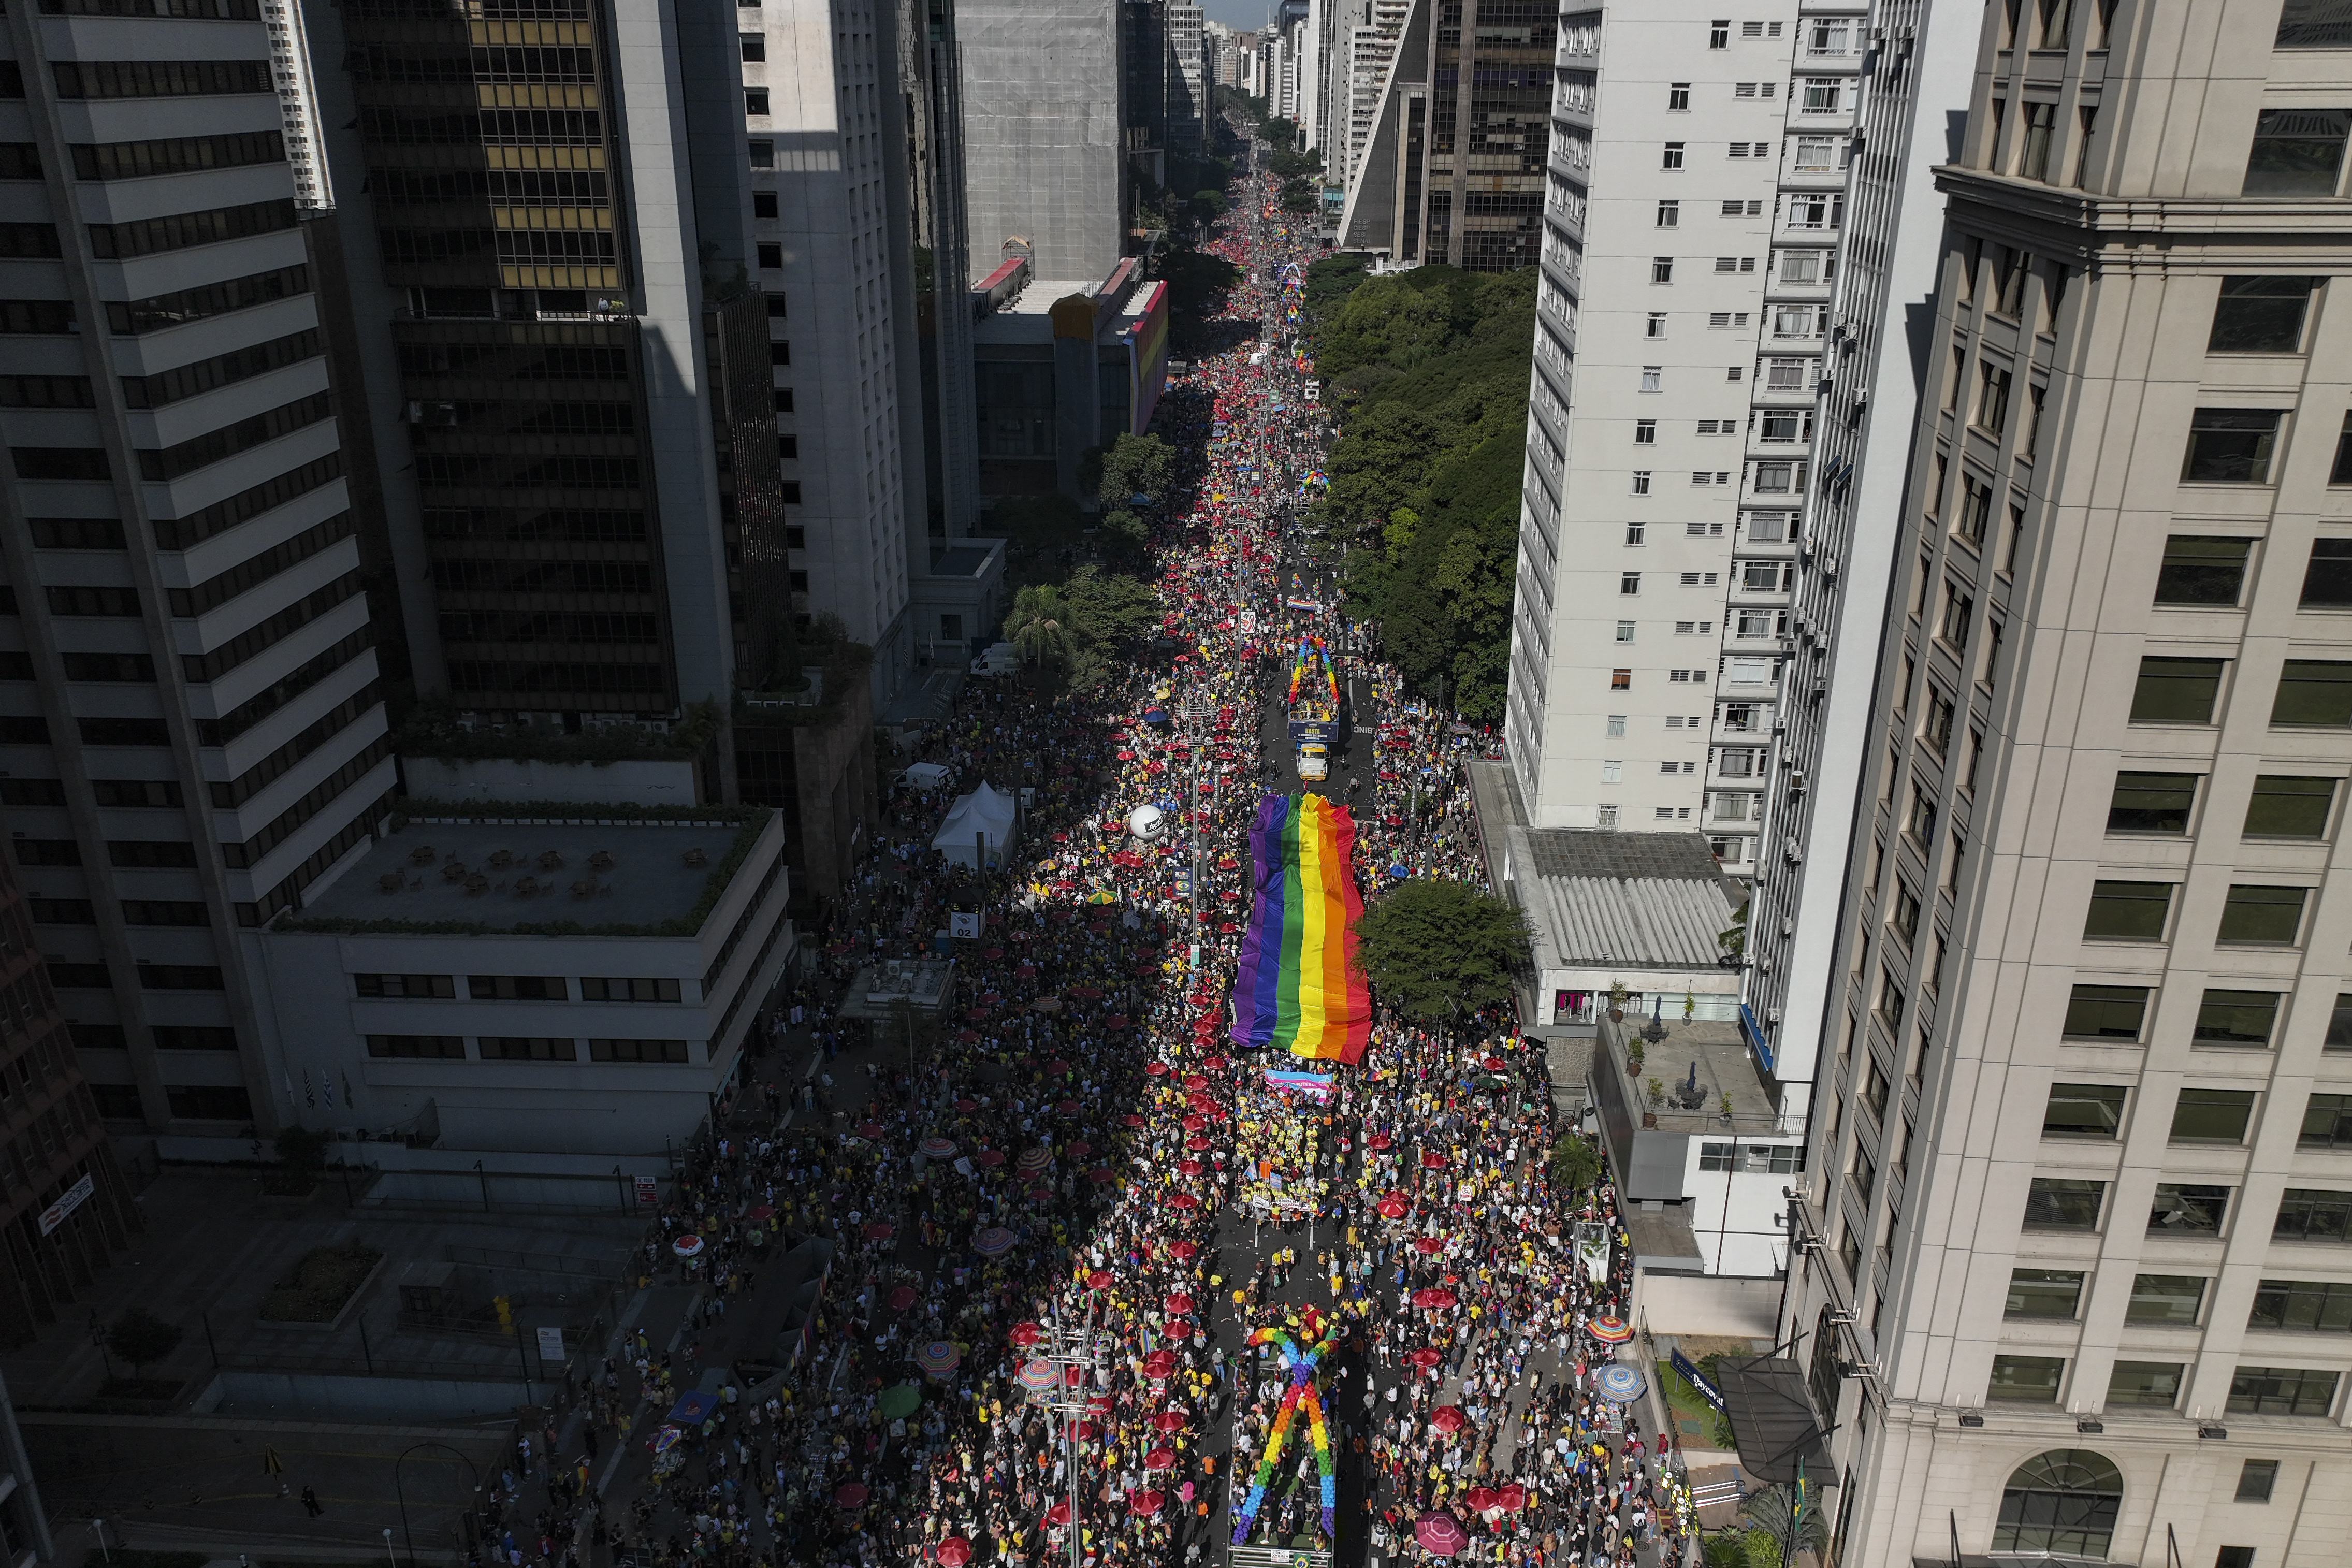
1039	624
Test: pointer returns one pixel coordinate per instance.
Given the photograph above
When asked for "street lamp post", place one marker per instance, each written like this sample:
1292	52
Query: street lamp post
1068	1348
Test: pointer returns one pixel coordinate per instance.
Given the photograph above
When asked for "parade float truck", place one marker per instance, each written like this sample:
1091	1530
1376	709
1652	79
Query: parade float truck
1314	708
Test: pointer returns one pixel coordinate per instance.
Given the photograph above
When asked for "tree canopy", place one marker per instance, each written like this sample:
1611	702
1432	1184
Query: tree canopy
1433	947
141	1337
1041	626
1136	466
1429	370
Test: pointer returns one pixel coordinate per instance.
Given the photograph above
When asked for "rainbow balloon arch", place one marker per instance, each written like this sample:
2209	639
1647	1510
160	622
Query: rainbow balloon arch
1301	1394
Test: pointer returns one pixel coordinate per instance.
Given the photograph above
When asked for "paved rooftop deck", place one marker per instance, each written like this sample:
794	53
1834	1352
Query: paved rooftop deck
650	878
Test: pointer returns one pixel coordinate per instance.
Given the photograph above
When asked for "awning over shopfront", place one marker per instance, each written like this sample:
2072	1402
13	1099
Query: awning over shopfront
1772	1420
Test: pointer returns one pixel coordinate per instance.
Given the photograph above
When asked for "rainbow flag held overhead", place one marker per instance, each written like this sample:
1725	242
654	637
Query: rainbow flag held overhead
1299	986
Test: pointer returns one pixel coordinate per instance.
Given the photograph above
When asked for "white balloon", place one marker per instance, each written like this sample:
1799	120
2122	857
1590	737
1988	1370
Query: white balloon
1147	822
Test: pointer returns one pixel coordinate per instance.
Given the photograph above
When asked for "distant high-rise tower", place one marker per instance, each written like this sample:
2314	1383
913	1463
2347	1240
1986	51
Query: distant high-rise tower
191	721
1049	146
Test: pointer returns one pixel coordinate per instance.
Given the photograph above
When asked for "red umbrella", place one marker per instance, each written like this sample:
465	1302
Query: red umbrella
1169	1421
967	1107
1448	1418
1023	1335
1144	1504
1432	1297
1183	1200
1440	1534
869	1131
1513	1497
1182	1251
1194	1123
902	1299
1195	1082
1159	1459
1130	1120
1058	1515
1212	1063
1155	1069
850	1494
1177	1329
1190	1167
1196	1144
1378	1141
991	1158
1431	1160
1481	1498
1079	1149
1424	1358
1494	1064
1102	1176
1099	1280
1057	1068
1160	1365
954	1553
1427	1244
1177	1305
1391	1207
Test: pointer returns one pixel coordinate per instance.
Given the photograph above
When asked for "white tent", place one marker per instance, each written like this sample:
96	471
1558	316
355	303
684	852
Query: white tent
984	814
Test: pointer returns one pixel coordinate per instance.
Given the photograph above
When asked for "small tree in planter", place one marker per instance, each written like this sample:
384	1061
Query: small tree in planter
141	1337
304	1154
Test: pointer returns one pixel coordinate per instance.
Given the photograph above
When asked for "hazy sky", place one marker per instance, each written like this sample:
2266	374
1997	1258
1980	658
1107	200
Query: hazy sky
1242	13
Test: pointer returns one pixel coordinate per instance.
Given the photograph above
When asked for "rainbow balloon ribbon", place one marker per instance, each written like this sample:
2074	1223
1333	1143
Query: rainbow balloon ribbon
1299	985
1301	1394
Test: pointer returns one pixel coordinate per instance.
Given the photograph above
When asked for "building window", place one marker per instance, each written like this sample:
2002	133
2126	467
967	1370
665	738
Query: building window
447	1047
2026	1379
1662	269
2127	912
2148	1384
1677	97
2041	123
2164	1298
755	102
2203	570
1671	157
1621	681
2229	446
2084	1111
2260	315
2263	916
1646	432
2313	691
2212	1115
2297	152
2312	1305
1640	488
1616	726
2066	1500
1824	94
595	989
1718	35
517	988
2236	1018
2313	1213
763	154
1670	216
1624	631
1653	378
2188	1210
672	1051
2152	802
2070	1203
2179	690
2039	1292
2339	1025
2282	1391
754	45
1657	325
2114	1013
2256	1479
442	986
2326	1122
530	1049
771	260
1629	583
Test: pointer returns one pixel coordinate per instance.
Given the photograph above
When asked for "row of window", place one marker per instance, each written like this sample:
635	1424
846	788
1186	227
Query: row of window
2077	1203
2253	1389
2218	1116
517	987
527	1048
2117	1015
2254	914
2316	1305
1798	267
2283	805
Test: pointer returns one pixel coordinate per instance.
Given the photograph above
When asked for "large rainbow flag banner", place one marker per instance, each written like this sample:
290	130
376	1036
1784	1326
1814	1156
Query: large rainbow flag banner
1299	986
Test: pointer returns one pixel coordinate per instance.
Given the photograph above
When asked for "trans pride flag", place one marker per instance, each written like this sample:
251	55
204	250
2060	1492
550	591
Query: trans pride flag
1299	986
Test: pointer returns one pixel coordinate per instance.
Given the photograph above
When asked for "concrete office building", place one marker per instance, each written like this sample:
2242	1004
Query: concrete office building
544	211
1914	89
1189	82
65	1209
427	994
190	731
1047	132
1372	39
826	124
2075	1204
1453	166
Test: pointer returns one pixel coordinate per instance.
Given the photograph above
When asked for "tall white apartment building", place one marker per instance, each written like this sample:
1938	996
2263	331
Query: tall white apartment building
822	96
1377	28
1914	89
1696	192
2076	1214
191	731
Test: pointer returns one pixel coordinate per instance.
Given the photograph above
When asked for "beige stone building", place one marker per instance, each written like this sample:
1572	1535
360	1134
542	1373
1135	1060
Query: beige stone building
2076	1226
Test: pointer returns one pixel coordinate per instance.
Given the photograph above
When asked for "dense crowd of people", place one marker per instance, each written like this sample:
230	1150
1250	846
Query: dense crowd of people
1081	1159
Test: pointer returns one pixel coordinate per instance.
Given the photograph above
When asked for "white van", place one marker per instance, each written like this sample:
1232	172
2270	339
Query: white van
1001	658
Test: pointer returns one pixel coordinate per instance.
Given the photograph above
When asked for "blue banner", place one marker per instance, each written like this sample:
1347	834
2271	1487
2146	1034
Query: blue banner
1690	1374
